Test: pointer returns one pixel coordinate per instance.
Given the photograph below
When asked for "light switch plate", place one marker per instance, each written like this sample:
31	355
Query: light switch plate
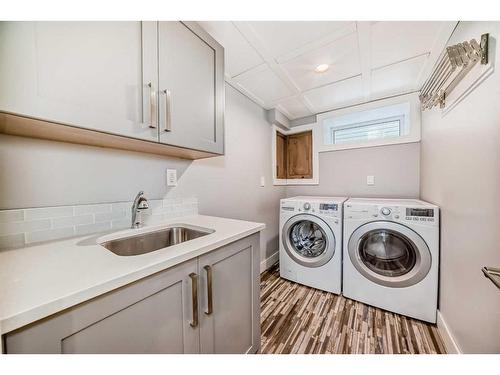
171	177
370	180
262	181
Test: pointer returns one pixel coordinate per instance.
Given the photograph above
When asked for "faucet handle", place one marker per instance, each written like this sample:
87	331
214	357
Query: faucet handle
143	205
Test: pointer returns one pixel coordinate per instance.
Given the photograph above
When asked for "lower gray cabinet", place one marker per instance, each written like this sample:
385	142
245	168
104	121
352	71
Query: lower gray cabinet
231	323
173	311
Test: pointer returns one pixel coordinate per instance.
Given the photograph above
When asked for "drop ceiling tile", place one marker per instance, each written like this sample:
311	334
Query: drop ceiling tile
293	108
395	41
336	95
281	37
397	78
342	55
239	54
263	84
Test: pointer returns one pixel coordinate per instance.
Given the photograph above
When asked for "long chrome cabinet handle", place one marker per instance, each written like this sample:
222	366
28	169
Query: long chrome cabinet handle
168	110
152	106
194	295
210	306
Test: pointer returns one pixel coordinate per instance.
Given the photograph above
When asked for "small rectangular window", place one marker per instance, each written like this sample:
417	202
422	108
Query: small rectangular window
367	131
370	125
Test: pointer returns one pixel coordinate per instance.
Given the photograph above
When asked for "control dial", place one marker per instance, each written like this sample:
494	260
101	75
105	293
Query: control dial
307	206
385	211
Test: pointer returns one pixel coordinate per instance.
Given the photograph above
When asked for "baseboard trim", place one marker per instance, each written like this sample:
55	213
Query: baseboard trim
448	339
268	262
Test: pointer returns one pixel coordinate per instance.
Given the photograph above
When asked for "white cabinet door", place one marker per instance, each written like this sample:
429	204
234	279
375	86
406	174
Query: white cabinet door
191	87
86	74
232	323
152	315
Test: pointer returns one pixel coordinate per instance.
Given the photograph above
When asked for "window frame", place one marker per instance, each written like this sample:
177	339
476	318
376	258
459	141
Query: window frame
399	118
412	124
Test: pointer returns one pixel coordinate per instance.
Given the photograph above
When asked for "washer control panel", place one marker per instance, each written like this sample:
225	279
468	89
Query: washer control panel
318	208
386	211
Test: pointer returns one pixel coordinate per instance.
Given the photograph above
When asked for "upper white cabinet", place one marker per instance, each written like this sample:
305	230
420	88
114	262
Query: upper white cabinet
157	81
191	70
87	74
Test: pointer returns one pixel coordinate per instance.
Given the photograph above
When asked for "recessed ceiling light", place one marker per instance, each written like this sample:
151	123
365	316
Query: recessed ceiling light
321	68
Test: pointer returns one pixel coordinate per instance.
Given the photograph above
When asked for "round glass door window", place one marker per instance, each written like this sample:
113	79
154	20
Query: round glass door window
308	239
387	253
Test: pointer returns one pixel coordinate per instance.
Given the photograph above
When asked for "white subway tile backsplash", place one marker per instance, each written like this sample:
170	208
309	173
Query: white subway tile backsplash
11	215
121	206
23	226
108	216
121	224
27	226
154	204
49	235
92	209
64	222
48	212
12	241
92	228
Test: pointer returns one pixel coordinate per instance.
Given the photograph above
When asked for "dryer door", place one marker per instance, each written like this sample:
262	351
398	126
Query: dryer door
308	240
389	254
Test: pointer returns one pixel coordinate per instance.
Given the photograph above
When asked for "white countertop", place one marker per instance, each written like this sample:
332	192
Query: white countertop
41	280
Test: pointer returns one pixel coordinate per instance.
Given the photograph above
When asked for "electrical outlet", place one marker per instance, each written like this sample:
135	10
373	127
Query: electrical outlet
370	180
171	177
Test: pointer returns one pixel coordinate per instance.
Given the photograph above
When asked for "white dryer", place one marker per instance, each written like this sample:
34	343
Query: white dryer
391	255
311	241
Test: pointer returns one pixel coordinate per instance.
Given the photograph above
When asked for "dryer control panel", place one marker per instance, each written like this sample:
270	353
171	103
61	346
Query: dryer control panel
403	214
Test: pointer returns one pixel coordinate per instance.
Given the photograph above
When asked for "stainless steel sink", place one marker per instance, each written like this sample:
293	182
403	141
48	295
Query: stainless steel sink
148	242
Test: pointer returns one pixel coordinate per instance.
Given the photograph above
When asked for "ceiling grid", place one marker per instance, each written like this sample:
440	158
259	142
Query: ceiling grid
274	62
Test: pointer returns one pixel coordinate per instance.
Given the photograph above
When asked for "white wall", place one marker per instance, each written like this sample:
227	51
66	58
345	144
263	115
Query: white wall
460	171
343	173
37	173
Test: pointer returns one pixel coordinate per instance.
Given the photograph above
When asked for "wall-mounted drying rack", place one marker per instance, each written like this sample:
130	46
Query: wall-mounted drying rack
456	61
493	274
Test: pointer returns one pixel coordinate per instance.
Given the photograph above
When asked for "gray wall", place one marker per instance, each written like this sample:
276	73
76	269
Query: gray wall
343	173
460	171
229	186
36	173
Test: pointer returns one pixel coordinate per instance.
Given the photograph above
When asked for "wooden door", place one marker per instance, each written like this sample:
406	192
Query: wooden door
281	155
299	155
152	315
191	83
85	74
233	324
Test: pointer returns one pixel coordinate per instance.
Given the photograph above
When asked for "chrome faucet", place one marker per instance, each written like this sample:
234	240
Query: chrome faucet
140	203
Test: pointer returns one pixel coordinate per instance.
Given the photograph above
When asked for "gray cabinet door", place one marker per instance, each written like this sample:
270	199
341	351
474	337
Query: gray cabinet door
152	315
191	87
233	325
85	74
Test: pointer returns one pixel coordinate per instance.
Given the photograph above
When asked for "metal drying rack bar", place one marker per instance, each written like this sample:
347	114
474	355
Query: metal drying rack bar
455	62
493	274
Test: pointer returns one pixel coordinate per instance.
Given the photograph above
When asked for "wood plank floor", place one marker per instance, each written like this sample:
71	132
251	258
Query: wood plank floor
299	319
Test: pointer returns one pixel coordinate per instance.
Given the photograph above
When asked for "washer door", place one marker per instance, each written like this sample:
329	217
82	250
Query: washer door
308	240
389	254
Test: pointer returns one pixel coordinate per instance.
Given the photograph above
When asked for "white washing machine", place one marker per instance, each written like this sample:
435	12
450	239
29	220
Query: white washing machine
391	255
311	241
